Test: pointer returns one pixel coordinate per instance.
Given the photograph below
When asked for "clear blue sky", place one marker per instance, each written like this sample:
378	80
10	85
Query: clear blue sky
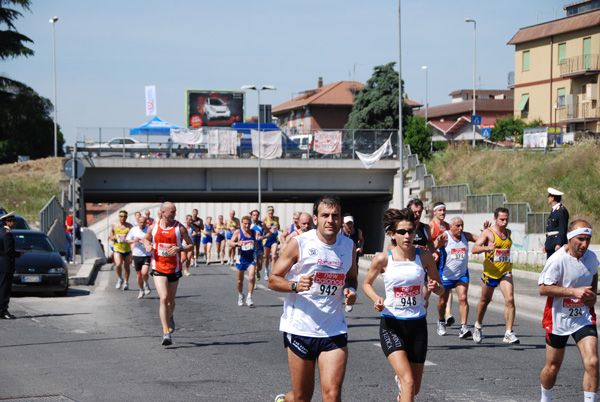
108	51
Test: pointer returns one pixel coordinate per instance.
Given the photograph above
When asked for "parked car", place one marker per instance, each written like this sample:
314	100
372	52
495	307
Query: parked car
215	108
115	147
22	223
41	268
304	141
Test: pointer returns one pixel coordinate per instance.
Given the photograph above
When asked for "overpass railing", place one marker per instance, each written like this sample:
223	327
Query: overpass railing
450	193
484	203
51	211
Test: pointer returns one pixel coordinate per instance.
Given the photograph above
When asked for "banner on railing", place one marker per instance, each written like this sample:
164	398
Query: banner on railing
222	142
188	136
270	144
328	142
370	159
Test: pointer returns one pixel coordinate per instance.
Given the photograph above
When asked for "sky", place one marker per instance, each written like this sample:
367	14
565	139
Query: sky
108	51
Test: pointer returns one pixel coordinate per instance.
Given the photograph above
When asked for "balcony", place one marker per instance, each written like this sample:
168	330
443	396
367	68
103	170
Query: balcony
579	112
580	66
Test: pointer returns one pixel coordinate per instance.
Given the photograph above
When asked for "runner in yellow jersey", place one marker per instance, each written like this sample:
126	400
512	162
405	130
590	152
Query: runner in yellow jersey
232	224
497	271
271	223
122	249
220	229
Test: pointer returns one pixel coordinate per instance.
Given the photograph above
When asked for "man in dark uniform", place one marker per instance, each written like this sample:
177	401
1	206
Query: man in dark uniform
7	263
556	227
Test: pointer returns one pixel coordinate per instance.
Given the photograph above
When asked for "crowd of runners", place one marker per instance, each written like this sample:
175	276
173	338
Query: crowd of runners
314	261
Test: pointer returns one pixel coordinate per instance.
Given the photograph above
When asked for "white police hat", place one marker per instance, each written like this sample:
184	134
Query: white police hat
553	191
9	215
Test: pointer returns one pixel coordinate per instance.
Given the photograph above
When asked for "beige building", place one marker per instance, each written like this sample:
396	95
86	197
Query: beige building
557	64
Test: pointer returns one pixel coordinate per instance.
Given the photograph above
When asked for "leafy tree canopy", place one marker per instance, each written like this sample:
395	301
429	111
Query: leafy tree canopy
376	105
12	43
511	126
418	135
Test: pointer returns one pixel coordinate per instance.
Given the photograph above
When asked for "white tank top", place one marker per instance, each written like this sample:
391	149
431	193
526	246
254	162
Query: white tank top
318	312
457	261
404	289
190	231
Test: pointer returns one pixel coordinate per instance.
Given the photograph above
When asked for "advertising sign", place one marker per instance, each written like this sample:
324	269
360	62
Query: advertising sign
214	108
151	100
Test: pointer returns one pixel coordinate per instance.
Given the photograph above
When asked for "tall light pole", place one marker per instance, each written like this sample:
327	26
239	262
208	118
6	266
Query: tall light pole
474	71
255	88
427	103
53	22
400	139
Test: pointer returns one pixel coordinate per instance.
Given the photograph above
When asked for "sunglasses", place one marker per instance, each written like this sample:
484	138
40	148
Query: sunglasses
402	232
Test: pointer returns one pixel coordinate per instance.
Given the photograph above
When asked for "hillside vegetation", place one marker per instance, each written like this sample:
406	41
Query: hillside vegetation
525	176
26	187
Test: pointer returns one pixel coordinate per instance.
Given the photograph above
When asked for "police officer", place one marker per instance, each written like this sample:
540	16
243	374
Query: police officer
7	262
556	227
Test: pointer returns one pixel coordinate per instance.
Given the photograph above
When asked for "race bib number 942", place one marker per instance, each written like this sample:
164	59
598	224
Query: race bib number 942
575	307
407	296
502	255
327	283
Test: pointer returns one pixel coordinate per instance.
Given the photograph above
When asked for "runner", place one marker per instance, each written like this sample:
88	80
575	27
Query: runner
570	281
438	233
317	271
497	270
245	239
304	225
231	225
348	230
290	228
187	256
141	258
207	239
271	223
197	236
163	240
258	227
403	325
220	229
455	275
121	249
149	220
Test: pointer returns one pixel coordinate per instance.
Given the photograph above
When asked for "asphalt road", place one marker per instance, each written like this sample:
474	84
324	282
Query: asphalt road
101	344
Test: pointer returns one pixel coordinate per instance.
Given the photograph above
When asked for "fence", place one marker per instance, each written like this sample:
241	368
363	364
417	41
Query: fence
517	211
51	211
485	203
536	222
450	193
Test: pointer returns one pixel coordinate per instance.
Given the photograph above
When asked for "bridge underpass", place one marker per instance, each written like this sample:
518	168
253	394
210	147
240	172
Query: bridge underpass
366	194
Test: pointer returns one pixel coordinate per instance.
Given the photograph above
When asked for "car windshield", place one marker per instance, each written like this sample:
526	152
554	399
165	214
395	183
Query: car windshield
22	224
33	242
216	102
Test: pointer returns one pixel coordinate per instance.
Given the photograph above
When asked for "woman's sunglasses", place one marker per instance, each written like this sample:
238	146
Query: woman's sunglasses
402	232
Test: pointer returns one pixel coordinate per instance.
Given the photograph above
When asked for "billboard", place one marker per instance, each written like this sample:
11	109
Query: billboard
214	108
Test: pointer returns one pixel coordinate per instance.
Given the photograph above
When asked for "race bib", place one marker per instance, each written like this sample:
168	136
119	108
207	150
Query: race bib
273	229
502	255
574	307
121	238
458	253
327	283
247	245
163	249
221	231
407	296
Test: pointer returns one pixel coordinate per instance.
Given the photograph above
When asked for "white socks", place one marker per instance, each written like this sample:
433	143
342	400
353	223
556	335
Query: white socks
589	396
546	395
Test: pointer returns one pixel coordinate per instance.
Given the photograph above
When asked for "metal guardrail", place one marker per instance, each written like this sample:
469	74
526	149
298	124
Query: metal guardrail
485	203
51	211
536	222
429	181
420	171
580	63
450	193
517	211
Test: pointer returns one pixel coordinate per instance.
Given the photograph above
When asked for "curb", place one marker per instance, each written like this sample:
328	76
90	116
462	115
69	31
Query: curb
86	271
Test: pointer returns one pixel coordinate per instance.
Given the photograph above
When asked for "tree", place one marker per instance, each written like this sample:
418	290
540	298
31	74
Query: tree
12	43
376	105
511	126
418	135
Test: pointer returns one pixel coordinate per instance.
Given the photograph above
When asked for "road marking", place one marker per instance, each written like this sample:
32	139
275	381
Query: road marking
281	298
427	362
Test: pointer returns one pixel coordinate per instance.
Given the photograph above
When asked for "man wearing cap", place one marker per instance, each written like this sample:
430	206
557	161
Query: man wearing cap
556	227
570	281
7	263
355	234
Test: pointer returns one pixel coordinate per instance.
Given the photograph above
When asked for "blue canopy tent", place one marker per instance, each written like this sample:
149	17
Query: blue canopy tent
156	126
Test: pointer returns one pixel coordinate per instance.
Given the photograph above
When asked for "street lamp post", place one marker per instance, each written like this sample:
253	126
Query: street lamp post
427	103
474	71
53	22
400	138
255	88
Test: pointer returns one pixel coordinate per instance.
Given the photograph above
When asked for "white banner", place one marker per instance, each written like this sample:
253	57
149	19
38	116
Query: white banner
151	100
328	142
270	144
370	159
222	142
188	136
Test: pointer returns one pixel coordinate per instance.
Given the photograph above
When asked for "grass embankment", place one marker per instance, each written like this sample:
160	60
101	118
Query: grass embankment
27	186
525	176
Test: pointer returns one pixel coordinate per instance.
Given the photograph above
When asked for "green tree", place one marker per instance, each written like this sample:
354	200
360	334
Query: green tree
511	126
376	105
418	135
12	43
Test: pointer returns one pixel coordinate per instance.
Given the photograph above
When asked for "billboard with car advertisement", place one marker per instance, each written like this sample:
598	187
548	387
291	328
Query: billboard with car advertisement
214	108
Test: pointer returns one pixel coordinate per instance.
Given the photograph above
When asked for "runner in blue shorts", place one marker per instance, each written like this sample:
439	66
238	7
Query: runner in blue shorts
220	229
207	239
198	226
245	239
257	226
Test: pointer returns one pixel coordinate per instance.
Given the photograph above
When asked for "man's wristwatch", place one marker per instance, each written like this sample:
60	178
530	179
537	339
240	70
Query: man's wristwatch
180	248
294	284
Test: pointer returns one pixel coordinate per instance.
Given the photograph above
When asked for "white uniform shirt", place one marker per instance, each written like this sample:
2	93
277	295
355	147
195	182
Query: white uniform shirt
404	289
566	315
137	249
318	312
456	263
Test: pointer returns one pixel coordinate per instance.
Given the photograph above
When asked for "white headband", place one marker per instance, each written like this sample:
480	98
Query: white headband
579	231
438	207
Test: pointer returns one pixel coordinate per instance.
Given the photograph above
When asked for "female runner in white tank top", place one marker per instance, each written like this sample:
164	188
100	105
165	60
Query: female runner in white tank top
403	326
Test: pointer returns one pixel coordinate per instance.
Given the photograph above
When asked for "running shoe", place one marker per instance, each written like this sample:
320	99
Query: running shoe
187	272
399	384
241	300
464	332
194	262
280	398
510	337
348	308
207	262
267	275
477	335
141	294
167	339
125	286
119	283
249	301
441	328
171	325
147	289
222	262
258	275
449	320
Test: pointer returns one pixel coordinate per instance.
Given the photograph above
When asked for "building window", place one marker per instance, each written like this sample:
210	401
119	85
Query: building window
587	53
560	98
526	60
523	105
562	53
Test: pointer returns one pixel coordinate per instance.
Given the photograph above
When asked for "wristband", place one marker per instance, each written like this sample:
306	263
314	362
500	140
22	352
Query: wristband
180	248
351	288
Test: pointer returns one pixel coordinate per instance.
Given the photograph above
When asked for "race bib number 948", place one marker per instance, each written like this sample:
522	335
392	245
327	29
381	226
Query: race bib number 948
407	296
327	283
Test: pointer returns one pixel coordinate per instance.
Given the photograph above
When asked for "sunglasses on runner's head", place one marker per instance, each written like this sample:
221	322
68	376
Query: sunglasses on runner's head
402	232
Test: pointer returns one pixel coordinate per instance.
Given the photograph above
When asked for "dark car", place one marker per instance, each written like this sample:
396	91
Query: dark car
22	223
41	267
